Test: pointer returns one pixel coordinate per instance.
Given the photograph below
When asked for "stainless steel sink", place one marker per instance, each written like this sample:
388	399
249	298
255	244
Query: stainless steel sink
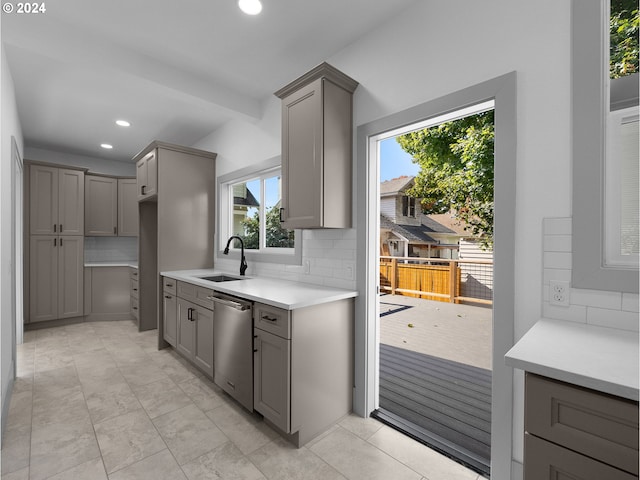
221	278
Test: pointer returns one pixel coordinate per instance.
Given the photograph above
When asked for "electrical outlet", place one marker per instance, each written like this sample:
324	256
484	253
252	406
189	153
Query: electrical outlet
349	268
306	267
559	293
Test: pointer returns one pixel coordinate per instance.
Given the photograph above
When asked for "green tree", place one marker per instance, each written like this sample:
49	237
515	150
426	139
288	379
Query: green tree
623	44
276	235
456	171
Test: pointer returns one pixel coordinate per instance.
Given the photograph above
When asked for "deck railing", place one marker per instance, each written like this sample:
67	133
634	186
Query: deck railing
444	280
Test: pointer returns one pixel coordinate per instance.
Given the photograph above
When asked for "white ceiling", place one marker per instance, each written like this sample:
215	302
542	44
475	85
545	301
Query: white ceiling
177	70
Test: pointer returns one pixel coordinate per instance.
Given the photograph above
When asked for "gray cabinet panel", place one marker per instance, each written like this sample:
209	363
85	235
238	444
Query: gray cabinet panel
109	294
203	355
70	276
43	208
43	278
127	207
71	202
147	176
170	318
271	377
186	341
101	206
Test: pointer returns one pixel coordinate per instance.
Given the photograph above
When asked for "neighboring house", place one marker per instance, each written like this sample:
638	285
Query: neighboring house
405	231
243	200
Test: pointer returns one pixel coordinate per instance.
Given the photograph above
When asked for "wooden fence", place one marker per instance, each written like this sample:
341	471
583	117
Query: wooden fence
436	279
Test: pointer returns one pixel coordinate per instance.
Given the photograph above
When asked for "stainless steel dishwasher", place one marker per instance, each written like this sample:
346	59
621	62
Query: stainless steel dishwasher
233	347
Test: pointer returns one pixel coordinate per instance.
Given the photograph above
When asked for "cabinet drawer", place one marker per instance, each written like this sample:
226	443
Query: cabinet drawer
195	294
134	288
601	426
169	285
134	308
272	319
133	273
545	461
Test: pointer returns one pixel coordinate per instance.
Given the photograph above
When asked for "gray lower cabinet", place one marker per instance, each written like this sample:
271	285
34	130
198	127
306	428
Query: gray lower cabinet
56	277
107	293
576	433
135	293
170	312
303	367
195	334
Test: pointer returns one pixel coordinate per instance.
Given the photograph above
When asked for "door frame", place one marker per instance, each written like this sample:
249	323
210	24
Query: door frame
502	90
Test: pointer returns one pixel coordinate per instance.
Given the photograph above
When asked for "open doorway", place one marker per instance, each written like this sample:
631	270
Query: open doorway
502	90
436	282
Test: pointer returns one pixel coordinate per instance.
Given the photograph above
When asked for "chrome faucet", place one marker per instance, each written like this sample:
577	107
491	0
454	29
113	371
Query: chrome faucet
243	260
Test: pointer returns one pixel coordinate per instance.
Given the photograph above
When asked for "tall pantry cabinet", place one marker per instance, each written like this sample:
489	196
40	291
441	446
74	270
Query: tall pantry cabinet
176	203
55	199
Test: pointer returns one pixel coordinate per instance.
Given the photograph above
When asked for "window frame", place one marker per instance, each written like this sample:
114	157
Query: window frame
589	112
260	170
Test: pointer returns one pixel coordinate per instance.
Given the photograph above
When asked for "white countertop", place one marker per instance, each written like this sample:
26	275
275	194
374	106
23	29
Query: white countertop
272	291
130	263
603	359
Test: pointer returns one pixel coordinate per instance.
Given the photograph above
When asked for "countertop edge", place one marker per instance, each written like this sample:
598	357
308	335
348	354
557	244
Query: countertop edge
590	366
325	294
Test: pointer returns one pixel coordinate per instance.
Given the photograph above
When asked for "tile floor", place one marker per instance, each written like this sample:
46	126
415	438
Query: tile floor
98	401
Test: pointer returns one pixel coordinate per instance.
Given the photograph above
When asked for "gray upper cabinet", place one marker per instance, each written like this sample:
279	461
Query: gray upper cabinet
317	149
111	206
101	206
127	207
147	176
56	201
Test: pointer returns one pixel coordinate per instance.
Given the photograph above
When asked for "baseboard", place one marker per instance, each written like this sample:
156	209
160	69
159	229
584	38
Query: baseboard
6	402
94	317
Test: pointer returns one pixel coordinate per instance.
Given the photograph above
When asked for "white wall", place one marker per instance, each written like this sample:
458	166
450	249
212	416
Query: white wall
9	126
435	48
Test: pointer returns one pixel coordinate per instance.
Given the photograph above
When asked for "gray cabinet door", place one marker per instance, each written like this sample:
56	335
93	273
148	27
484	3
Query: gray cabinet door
302	157
170	318
147	176
204	340
186	341
70	276
109	294
71	202
271	374
127	208
43	207
101	206
43	278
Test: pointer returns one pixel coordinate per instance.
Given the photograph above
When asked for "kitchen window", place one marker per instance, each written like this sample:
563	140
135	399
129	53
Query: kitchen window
249	201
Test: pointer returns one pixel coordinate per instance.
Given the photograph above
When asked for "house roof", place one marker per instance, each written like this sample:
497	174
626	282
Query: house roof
413	233
395	185
248	200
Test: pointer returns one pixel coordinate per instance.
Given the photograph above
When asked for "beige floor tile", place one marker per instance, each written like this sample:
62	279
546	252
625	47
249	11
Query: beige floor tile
22	474
362	427
189	433
355	458
226	462
108	400
91	470
160	397
60	446
59	406
245	430
52	358
20	408
420	458
127	439
177	371
56	379
16	448
142	373
161	466
279	460
203	392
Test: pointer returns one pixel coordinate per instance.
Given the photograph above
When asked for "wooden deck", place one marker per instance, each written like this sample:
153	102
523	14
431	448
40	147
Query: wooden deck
435	377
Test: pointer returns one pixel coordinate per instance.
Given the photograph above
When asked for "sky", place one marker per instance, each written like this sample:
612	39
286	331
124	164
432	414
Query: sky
395	162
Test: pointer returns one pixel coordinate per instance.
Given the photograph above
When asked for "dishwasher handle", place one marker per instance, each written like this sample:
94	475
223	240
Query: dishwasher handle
230	303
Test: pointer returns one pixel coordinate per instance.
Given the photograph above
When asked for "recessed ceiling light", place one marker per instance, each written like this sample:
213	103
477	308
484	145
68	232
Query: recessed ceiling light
250	7
123	123
106	146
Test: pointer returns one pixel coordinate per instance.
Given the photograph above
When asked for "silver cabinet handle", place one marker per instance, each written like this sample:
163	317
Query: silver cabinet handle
269	319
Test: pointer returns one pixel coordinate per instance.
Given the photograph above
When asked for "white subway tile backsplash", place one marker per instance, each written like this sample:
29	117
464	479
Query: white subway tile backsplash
604	308
557	243
612	318
630	302
557	226
557	260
